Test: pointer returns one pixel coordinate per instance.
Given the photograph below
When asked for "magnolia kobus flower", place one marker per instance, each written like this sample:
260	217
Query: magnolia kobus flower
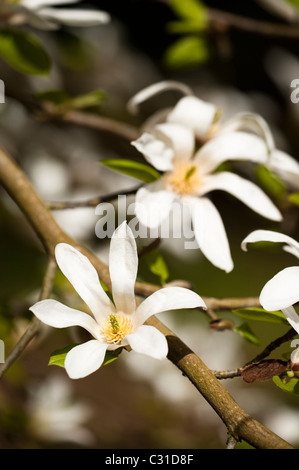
282	291
55	414
190	174
41	14
113	324
203	118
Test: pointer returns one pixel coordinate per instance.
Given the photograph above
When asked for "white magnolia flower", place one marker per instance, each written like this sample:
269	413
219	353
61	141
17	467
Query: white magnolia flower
55	415
112	324
189	175
203	119
41	14
282	291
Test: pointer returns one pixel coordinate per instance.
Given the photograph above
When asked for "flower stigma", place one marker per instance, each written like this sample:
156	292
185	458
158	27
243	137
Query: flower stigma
184	180
115	327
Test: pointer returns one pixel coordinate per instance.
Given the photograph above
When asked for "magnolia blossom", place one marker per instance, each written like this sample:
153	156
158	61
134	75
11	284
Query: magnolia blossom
112	324
203	119
282	291
41	14
189	175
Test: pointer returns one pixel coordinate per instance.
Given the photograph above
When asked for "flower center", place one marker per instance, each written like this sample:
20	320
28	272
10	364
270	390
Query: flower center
115	327
185	179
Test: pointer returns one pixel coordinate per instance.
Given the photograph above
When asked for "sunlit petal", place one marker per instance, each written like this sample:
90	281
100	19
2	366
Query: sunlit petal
150	341
85	359
282	290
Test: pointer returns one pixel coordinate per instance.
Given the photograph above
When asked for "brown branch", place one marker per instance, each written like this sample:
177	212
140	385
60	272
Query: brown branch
238	422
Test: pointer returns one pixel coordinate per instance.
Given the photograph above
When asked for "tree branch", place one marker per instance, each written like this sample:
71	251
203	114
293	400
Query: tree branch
238	422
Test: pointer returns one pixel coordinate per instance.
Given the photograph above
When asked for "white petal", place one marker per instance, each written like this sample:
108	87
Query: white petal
292	317
150	341
285	166
153	90
230	146
210	233
123	266
270	236
84	278
194	113
251	122
85	359
168	298
181	138
158	152
35	4
55	314
295	356
282	290
244	190
75	17
153	205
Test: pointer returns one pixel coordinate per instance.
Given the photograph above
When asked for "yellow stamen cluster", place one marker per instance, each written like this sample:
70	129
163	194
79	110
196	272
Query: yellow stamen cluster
115	327
184	180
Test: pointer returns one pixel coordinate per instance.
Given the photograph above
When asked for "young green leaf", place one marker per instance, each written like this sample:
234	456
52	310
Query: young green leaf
259	314
134	169
287	384
270	182
188	51
157	265
24	52
294	198
247	333
63	100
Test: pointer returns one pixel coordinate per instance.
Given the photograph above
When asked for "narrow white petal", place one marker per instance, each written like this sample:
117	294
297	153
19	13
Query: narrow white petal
153	205
230	146
56	314
282	290
152	90
286	167
158	152
194	113
295	354
84	278
85	359
251	122
75	17
210	233
123	266
150	341
270	236
168	298
181	138
35	4
244	190
292	317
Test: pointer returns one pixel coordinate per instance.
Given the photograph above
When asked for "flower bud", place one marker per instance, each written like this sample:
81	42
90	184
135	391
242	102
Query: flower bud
294	362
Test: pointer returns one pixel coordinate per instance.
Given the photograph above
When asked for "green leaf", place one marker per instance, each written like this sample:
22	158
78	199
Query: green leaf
259	314
270	182
134	169
23	52
294	198
287	384
247	333
57	358
192	10
157	265
188	51
61	99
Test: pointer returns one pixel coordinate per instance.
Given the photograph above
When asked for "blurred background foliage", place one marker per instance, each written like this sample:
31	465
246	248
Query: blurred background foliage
135	402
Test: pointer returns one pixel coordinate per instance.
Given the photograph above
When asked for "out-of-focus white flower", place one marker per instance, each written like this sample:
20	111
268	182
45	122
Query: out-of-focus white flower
113	324
189	175
282	291
54	414
203	119
41	14
282	8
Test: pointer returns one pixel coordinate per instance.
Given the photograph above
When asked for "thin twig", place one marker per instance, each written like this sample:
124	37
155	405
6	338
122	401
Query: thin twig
34	325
